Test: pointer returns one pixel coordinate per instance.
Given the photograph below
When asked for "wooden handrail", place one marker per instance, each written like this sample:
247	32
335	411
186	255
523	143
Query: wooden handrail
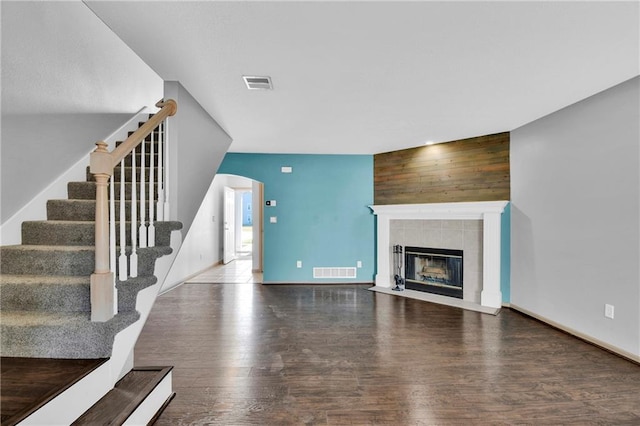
102	162
167	109
102	165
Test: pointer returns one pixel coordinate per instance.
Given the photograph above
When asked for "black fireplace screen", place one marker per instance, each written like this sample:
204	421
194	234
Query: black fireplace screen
434	270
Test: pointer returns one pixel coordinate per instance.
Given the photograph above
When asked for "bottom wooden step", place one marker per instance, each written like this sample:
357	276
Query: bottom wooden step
28	384
137	399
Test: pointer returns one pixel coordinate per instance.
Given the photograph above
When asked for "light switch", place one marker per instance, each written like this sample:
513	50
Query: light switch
273	219
286	169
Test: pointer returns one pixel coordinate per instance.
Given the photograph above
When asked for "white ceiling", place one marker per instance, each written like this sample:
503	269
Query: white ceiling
370	77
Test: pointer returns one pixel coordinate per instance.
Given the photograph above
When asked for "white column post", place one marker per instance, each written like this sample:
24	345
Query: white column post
384	275
102	288
491	294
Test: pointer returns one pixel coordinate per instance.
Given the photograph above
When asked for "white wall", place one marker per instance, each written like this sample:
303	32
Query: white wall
60	58
575	187
29	161
67	82
202	246
197	146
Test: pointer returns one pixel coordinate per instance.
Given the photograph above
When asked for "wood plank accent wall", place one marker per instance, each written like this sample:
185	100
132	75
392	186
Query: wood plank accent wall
474	169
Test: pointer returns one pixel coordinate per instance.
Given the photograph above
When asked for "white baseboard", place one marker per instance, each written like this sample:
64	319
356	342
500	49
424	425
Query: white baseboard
604	345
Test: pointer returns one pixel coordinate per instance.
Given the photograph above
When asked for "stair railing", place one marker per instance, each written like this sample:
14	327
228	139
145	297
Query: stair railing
102	165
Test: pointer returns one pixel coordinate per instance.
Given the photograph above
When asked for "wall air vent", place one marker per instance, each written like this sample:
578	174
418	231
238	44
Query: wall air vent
257	83
335	272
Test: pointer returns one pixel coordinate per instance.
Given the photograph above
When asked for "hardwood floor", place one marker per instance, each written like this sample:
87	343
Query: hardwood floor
249	354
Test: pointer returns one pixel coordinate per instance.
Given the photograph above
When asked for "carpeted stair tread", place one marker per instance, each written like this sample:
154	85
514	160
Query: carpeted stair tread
59	334
45	260
45	293
58	232
49	319
63	293
67	260
82	233
127	173
87	191
79	210
128	291
75	210
42	279
36	247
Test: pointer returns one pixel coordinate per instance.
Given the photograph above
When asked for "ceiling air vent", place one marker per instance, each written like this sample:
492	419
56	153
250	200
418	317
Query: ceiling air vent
257	83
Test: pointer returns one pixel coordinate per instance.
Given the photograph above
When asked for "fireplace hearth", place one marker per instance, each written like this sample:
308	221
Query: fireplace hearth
434	270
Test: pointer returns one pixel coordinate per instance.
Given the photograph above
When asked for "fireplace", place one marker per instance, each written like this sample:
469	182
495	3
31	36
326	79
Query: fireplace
434	270
482	256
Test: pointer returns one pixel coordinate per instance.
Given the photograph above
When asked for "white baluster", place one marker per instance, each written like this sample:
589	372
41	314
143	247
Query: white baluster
112	240
122	259
133	259
151	236
167	213
143	210
160	186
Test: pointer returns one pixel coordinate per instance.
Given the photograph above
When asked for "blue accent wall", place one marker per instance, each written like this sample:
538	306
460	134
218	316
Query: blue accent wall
321	209
505	254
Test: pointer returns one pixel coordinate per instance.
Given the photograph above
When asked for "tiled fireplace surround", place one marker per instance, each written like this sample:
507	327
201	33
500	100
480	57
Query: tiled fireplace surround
473	227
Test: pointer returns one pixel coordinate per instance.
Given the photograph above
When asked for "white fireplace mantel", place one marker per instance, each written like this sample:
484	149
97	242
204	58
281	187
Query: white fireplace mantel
488	211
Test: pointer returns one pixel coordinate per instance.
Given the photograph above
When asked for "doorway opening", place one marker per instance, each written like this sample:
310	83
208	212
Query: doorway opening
241	233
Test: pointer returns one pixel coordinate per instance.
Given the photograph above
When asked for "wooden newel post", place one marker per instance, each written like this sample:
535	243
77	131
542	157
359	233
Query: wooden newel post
102	280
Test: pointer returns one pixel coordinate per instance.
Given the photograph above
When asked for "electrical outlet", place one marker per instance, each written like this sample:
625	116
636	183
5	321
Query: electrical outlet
299	264
359	264
608	311
273	219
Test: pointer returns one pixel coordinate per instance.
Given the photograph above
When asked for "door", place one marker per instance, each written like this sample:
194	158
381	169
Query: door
229	241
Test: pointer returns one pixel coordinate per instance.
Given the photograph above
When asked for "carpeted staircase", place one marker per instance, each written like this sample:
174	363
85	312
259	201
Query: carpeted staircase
44	282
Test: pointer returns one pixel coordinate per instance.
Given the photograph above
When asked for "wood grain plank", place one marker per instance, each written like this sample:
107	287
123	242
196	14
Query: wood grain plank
474	169
29	383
